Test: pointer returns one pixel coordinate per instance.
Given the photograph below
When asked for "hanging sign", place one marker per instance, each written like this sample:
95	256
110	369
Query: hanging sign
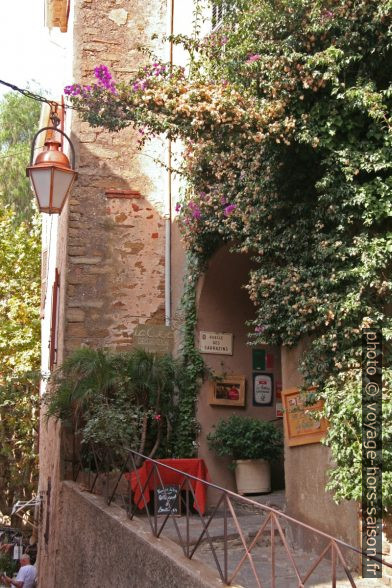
217	343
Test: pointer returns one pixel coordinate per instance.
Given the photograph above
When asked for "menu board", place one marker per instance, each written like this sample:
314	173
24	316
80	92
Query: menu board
168	500
300	427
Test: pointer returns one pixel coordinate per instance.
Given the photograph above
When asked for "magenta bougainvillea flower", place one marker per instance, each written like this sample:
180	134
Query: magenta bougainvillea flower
229	209
104	78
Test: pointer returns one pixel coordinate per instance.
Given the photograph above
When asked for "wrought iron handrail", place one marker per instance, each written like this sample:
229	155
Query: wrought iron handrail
273	517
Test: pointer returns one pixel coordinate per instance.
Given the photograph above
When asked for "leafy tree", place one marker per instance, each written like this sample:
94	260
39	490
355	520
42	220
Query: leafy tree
19	118
20	247
19	410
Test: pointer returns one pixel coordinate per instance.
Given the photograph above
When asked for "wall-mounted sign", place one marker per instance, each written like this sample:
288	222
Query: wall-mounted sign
263	389
269	361
300	427
218	343
228	391
154	338
258	360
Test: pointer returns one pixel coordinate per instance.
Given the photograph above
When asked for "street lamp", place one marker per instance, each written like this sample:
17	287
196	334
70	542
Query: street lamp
51	175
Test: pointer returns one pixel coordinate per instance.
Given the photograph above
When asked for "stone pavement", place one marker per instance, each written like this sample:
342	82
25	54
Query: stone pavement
250	520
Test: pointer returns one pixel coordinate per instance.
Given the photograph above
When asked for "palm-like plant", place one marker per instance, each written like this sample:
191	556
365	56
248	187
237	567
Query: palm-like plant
117	399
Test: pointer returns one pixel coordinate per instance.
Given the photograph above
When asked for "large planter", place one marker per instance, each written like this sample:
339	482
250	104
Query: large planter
253	476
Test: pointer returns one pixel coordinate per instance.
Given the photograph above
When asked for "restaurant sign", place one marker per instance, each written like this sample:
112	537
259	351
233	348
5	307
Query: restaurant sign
218	343
153	338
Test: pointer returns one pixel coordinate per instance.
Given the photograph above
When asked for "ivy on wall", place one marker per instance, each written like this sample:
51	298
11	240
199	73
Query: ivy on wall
285	115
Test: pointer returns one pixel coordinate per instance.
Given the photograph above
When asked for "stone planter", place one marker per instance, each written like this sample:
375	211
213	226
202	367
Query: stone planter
253	476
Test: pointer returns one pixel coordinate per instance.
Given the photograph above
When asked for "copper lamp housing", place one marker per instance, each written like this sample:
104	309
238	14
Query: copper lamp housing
51	175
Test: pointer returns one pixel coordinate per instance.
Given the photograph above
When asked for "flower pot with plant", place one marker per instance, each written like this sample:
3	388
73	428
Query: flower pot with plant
252	444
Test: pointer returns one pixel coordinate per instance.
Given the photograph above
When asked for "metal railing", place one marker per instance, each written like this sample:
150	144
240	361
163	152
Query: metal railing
271	527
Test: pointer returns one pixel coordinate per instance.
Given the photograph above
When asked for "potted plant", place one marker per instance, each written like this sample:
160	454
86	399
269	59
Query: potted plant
252	444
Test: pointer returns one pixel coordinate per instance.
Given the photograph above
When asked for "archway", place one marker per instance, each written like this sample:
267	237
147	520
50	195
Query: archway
224	307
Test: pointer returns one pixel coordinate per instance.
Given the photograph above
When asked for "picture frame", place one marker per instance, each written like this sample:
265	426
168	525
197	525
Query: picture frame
263	389
300	428
229	391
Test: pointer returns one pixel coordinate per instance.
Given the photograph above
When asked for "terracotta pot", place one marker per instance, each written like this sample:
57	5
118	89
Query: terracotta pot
253	476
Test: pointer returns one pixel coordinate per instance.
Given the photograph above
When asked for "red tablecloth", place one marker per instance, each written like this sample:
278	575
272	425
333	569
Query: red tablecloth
195	467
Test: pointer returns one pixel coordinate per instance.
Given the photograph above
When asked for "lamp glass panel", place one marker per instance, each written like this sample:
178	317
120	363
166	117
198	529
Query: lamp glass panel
62	181
41	184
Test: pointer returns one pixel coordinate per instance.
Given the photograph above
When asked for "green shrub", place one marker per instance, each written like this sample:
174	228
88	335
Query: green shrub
112	400
246	438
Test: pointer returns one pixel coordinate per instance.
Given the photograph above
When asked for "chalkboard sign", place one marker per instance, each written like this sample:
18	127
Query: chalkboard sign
167	500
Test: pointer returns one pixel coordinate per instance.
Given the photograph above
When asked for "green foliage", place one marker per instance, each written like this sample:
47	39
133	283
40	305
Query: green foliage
343	408
8	565
19	118
285	117
20	260
186	434
19	358
117	400
19	418
241	437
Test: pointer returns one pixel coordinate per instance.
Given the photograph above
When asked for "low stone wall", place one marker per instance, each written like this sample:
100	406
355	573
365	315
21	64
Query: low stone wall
100	546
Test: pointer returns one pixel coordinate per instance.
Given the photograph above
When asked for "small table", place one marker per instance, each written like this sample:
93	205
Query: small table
193	466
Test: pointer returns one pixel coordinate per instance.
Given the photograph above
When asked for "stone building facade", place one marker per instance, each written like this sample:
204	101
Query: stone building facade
107	248
119	263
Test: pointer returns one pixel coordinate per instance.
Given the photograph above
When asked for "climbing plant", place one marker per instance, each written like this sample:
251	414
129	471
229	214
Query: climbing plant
285	117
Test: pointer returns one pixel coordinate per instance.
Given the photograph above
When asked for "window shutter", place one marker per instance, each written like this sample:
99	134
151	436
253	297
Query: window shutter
218	12
54	321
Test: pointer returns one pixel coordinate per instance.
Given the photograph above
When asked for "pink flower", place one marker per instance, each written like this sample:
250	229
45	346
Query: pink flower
259	329
178	207
252	58
229	209
104	78
157	417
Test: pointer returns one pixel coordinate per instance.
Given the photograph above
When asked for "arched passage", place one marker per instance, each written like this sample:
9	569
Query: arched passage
224	307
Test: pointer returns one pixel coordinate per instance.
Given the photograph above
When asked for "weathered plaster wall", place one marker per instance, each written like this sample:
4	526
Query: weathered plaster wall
101	547
306	475
111	238
115	245
224	306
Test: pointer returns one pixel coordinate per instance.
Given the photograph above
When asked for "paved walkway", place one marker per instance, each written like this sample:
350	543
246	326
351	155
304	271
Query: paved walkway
250	521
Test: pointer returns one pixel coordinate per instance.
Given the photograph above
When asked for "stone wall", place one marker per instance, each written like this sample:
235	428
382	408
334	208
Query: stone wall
116	231
111	237
101	547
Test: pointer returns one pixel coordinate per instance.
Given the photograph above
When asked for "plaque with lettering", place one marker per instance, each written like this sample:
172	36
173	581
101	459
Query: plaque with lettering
216	343
154	338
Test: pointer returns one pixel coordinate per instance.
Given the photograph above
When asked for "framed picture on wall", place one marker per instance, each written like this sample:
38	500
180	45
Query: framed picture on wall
229	391
263	389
